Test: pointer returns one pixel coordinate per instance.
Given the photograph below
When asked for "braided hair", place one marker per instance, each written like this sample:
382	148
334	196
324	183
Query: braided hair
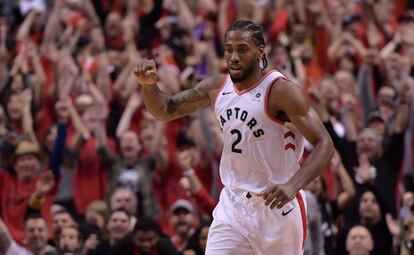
255	30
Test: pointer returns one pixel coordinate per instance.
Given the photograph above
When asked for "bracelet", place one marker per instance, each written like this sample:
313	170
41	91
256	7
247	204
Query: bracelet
189	172
36	202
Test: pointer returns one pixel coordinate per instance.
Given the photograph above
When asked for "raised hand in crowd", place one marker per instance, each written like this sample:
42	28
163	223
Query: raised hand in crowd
62	110
364	171
45	183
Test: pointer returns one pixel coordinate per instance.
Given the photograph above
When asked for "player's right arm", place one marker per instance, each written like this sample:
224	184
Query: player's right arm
166	107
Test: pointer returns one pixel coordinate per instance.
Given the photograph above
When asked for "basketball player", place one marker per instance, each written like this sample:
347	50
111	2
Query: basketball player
264	118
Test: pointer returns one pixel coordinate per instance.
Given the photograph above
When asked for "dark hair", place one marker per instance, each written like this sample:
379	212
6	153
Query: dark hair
64	211
255	30
34	216
184	142
146	224
193	243
119	210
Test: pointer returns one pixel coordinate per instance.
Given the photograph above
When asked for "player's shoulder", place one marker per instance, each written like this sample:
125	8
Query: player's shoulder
286	95
283	86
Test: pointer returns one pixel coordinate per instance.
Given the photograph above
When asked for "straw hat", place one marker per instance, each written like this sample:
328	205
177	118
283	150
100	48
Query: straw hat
24	148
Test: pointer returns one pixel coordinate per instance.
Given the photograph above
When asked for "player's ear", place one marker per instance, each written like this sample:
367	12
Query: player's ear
260	52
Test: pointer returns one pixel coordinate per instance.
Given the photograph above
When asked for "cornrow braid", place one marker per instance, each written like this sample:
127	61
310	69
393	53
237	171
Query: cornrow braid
255	30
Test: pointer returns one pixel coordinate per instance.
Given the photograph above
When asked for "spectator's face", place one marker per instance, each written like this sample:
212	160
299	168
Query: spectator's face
69	239
280	57
146	5
17	84
408	199
113	25
346	64
36	234
386	97
145	241
241	54
123	198
202	239
170	5
182	221
95	219
147	136
346	82
98	41
409	228
116	58
407	32
129	143
118	225
14	108
61	220
359	241
369	209
394	61
384	10
378	125
369	143
315	186
329	90
299	32
26	166
51	137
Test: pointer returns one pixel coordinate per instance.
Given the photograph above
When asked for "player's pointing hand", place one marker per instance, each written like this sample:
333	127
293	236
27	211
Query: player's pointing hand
146	73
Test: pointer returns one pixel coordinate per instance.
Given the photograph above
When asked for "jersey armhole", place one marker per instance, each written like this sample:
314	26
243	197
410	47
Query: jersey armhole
266	102
219	88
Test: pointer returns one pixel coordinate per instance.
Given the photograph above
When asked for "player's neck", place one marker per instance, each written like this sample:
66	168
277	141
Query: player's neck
256	76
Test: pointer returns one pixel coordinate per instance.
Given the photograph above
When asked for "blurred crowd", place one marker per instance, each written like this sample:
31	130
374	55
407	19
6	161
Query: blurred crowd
86	169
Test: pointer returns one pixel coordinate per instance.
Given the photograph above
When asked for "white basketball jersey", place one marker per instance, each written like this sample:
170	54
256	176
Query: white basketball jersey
258	149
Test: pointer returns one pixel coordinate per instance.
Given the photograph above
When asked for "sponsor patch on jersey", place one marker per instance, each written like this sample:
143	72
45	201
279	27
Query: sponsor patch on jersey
257	96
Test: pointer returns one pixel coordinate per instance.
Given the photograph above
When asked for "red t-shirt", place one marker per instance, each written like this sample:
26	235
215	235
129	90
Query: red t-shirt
90	181
15	197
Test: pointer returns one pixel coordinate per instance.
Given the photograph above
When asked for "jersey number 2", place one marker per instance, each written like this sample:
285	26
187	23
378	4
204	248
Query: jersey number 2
237	141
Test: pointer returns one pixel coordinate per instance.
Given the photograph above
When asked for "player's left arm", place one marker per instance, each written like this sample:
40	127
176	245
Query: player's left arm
289	98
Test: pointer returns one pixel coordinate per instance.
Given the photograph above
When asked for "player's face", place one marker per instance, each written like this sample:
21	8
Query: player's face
241	54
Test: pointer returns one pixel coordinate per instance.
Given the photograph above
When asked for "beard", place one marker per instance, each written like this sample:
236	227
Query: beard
245	72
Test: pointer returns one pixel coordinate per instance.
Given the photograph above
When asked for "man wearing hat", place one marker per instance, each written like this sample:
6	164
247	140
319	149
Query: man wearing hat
183	222
25	187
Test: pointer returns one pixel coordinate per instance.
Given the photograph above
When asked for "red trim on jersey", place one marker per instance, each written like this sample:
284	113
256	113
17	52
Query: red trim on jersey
219	88
266	103
303	214
241	92
289	133
290	146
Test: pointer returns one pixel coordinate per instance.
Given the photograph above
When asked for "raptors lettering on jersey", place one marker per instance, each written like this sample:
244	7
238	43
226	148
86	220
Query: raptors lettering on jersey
242	115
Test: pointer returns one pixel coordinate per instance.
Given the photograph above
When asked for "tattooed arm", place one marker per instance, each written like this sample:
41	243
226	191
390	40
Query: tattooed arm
5	240
166	107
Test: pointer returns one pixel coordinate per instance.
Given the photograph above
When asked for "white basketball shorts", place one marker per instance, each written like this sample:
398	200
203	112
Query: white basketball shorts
243	225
